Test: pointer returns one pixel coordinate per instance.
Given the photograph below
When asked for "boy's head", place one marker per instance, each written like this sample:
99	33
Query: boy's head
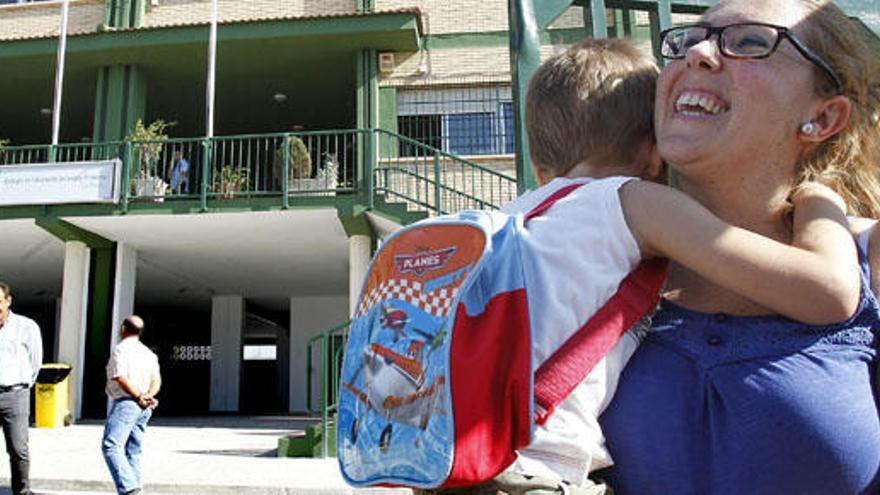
593	104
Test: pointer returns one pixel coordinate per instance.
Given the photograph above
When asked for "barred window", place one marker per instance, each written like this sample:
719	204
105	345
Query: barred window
475	120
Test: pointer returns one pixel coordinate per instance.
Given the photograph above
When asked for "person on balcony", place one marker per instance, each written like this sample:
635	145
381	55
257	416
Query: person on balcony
179	174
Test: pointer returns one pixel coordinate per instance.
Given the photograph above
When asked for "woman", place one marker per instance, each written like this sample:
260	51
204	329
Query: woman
722	398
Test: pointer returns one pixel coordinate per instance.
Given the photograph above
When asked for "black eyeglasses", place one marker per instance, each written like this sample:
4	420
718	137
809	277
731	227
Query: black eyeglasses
741	40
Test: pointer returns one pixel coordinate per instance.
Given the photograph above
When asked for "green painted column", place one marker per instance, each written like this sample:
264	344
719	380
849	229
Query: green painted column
367	120
121	90
120	100
387	119
124	13
100	315
661	18
528	20
595	23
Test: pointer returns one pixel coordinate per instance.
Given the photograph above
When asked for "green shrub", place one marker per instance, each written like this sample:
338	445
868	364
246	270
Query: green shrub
299	161
148	142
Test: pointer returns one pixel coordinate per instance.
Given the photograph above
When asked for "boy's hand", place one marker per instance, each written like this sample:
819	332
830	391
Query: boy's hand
815	190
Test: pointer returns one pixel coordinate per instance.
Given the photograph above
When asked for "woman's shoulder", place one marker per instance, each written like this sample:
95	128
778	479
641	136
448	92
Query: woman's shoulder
867	234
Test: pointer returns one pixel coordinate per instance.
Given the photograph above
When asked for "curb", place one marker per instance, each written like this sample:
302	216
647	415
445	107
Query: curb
41	486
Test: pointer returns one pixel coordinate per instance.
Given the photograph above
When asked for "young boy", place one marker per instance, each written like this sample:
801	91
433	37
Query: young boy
589	119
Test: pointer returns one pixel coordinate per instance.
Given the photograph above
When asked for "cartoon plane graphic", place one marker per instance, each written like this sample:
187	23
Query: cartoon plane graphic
394	386
394	319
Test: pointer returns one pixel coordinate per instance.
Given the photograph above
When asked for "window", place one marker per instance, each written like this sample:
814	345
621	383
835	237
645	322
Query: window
460	121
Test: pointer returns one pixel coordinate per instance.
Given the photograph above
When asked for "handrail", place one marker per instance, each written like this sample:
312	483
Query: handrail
436	182
315	163
330	344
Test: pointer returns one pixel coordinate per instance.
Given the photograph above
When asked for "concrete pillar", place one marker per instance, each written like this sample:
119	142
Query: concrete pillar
227	322
282	363
72	326
296	385
123	288
358	263
309	316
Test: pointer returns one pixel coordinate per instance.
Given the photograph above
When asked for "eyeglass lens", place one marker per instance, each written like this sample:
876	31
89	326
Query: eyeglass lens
737	40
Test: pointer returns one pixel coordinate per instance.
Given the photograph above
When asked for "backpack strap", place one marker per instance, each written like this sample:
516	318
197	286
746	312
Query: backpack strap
551	200
637	295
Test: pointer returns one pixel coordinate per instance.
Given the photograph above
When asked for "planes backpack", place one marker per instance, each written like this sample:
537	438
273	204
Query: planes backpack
437	387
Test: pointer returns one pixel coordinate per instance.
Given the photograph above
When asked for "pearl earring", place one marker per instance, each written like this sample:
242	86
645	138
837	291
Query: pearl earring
808	128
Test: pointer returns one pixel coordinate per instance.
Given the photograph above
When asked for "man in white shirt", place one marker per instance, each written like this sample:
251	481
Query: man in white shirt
21	354
133	381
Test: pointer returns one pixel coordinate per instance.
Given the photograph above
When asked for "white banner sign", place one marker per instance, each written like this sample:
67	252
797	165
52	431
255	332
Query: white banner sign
59	183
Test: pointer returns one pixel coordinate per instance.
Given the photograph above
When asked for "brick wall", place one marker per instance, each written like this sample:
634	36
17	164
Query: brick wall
40	20
455	16
456	65
175	12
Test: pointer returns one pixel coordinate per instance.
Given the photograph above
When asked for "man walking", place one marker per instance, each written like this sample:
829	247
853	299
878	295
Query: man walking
132	383
21	354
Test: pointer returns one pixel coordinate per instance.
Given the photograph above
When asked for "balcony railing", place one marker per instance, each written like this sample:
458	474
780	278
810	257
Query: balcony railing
288	165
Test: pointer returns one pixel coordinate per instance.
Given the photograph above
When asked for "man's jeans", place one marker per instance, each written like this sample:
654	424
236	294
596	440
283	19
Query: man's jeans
14	411
123	435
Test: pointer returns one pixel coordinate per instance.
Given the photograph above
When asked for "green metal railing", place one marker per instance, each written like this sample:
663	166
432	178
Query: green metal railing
67	152
329	347
317	163
436	182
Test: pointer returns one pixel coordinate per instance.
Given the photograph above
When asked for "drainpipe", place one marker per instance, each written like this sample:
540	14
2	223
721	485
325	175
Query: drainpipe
59	78
212	63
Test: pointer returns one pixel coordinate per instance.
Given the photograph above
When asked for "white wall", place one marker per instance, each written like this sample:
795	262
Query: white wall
123	288
72	326
227	322
309	316
358	263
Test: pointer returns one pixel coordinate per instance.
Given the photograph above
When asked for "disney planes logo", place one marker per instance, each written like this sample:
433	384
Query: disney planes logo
424	261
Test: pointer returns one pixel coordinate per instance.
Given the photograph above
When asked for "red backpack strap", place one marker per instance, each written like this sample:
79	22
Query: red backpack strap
636	296
550	200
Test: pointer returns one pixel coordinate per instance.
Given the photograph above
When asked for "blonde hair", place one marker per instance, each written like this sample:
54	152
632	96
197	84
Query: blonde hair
595	102
848	162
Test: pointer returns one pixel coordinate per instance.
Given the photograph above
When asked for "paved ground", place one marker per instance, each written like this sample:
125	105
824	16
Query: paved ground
214	455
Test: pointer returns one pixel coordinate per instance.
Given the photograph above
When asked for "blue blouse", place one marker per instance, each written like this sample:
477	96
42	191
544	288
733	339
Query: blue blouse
714	404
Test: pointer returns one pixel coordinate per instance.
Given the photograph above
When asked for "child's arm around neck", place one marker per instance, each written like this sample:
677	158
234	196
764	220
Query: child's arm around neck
815	280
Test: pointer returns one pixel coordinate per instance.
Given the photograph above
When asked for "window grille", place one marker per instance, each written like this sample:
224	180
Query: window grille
462	120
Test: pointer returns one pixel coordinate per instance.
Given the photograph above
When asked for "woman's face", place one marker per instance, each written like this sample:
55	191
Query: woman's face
721	115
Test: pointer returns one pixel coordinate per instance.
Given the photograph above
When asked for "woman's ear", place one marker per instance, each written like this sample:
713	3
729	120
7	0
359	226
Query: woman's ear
830	118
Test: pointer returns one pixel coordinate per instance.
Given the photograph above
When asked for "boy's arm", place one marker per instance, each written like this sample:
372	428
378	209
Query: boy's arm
816	281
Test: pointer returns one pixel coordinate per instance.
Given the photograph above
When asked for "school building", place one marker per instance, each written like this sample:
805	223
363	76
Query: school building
240	230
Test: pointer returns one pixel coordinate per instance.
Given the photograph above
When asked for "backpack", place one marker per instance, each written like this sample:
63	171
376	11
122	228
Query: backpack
437	385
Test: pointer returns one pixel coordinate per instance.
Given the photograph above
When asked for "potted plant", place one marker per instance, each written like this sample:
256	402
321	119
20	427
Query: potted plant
299	163
148	145
231	180
327	176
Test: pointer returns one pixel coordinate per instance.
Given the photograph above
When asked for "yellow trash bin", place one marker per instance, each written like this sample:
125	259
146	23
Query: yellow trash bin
51	396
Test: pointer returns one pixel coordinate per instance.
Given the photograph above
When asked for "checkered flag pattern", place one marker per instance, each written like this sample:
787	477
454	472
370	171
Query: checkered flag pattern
437	303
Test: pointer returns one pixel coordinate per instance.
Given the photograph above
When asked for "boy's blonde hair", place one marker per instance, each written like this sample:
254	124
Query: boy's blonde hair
594	102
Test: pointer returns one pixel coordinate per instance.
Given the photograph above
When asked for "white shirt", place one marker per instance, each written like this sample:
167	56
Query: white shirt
21	350
134	361
577	252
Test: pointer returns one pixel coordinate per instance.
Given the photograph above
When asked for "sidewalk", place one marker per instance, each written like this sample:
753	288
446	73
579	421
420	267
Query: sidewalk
204	455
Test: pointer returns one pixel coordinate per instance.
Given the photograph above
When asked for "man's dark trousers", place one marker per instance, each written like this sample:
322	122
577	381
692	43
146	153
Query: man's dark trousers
14	413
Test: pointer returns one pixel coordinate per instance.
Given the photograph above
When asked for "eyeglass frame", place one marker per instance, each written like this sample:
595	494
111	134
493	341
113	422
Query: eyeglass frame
781	32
